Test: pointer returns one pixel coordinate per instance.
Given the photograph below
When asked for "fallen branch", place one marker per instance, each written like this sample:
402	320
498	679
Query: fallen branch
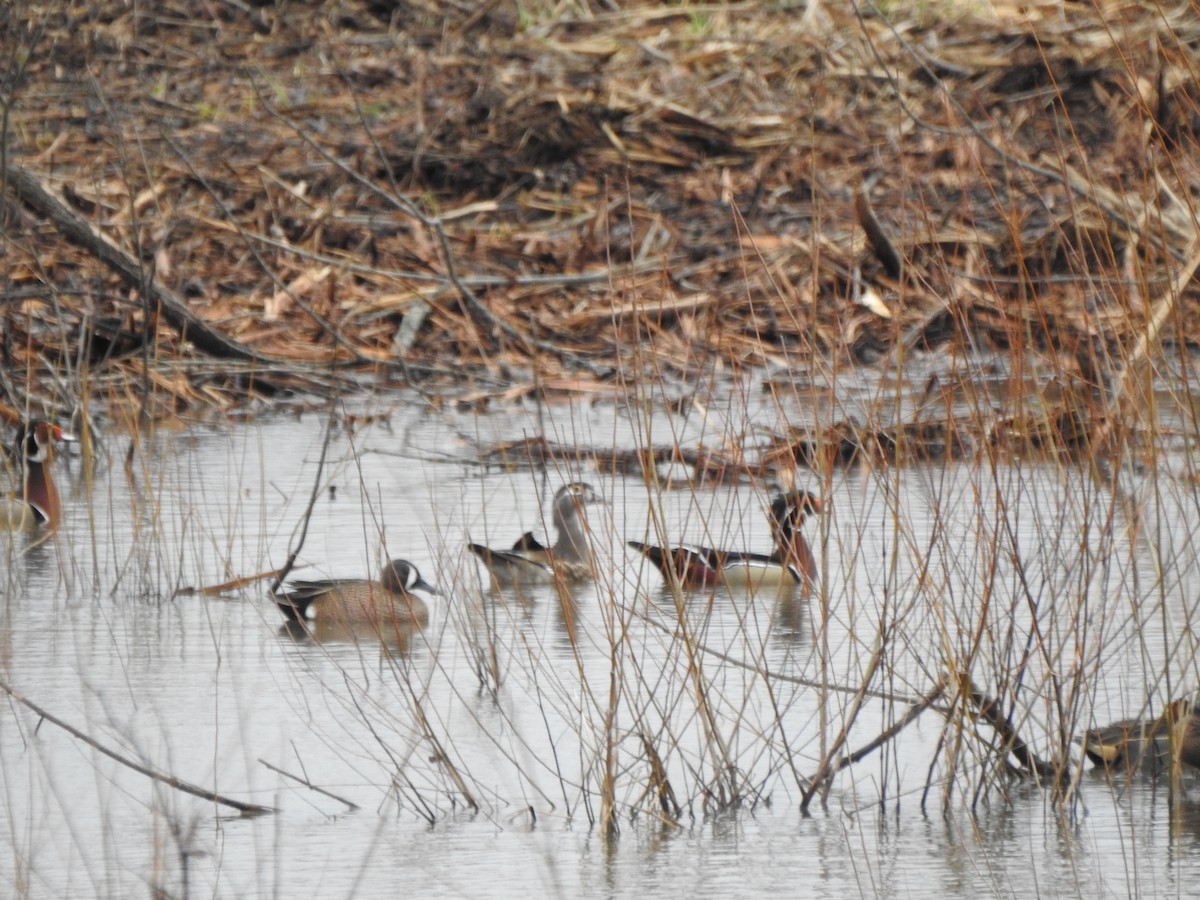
881	244
769	674
889	733
350	804
246	809
988	709
76	229
231	585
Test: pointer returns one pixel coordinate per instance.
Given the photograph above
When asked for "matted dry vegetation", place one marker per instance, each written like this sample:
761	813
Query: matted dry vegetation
567	196
207	203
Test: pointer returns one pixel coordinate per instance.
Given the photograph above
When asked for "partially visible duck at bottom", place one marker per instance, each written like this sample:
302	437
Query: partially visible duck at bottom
37	506
358	604
569	558
1145	745
791	565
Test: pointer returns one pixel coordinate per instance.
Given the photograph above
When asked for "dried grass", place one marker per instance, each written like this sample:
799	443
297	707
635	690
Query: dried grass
676	178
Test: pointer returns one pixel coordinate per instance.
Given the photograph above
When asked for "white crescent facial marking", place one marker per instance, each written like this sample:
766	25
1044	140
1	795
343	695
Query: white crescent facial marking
410	577
35	450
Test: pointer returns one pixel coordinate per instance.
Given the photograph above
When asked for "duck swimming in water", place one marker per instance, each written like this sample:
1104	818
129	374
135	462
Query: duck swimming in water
37	505
1146	744
792	563
359	601
569	558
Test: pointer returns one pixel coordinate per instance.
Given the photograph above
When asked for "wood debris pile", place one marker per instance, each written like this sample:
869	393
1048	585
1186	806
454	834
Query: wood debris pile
461	193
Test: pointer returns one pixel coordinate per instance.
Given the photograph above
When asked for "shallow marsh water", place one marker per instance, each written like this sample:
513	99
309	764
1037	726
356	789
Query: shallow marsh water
513	701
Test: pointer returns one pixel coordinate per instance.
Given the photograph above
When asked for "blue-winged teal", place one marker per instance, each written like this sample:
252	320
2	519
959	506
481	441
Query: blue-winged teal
37	506
791	564
1145	744
359	601
569	558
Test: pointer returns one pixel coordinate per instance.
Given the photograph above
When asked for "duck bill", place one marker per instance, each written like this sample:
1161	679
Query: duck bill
423	585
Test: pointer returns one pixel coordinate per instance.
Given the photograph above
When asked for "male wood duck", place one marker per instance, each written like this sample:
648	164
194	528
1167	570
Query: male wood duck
569	558
691	565
37	505
359	601
791	564
1145	744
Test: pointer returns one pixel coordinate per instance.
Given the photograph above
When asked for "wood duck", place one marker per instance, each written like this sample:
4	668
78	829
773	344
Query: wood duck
359	601
690	565
791	564
569	558
37	505
1145	744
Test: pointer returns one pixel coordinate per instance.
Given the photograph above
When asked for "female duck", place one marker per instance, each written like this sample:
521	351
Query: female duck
569	558
37	506
1145	744
791	564
359	601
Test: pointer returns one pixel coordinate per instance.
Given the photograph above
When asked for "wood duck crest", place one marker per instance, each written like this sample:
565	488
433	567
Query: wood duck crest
359	600
37	505
1147	745
791	564
570	557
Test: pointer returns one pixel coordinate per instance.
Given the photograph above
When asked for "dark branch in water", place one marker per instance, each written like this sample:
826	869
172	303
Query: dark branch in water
246	809
989	711
350	804
885	250
312	502
887	734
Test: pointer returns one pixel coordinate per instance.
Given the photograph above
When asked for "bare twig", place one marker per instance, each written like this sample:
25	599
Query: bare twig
312	502
826	769
350	804
246	809
889	733
437	227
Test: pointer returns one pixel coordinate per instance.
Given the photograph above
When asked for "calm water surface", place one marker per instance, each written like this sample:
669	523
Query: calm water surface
525	703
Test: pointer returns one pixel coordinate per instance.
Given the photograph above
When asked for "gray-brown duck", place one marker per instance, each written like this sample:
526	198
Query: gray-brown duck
569	558
1145	744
